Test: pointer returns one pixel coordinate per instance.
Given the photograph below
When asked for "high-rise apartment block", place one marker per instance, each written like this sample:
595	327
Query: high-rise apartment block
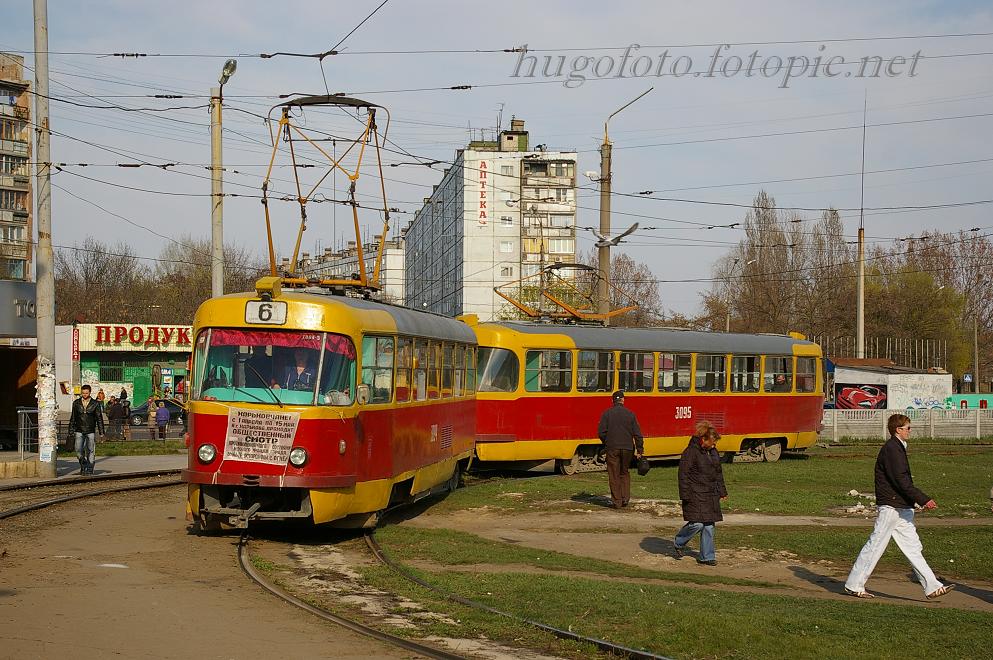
15	179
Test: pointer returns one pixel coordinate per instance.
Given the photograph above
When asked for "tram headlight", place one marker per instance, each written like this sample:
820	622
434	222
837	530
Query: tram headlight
298	456
207	453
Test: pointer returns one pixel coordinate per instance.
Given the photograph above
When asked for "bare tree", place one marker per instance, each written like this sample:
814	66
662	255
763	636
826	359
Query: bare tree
96	283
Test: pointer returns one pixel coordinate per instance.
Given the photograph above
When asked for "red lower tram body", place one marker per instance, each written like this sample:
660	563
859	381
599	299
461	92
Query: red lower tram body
542	427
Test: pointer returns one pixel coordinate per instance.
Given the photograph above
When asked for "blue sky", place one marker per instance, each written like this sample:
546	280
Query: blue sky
693	135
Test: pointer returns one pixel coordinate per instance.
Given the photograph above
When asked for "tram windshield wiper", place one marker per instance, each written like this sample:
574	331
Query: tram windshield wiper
268	389
244	391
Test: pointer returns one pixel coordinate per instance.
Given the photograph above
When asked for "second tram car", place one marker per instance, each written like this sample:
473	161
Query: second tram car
324	407
542	389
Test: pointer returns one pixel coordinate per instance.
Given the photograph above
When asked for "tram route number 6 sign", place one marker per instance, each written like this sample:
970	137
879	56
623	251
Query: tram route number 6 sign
270	312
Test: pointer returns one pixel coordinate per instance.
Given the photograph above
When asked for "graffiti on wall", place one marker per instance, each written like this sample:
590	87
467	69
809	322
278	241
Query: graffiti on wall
862	397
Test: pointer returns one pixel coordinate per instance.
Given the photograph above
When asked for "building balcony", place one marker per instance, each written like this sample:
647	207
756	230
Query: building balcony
546	181
14	147
13	251
16	111
17	181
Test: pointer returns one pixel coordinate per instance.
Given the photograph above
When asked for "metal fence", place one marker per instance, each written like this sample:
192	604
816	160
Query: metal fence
937	423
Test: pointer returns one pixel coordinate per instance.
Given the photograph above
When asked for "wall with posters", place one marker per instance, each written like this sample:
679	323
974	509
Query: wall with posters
894	390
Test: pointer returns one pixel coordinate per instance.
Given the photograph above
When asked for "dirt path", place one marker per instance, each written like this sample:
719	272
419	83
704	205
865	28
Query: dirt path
120	577
625	540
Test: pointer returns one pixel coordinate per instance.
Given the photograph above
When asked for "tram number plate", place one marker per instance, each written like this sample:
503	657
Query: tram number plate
272	312
684	412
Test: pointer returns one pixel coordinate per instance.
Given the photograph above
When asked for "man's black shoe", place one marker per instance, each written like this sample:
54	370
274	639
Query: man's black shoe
679	552
708	562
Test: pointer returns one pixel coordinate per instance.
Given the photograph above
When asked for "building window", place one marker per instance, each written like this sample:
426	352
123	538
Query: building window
561	169
506	247
595	371
711	375
13	199
507	221
560	220
506	271
12	269
531	167
635	372
561	246
745	373
11	234
674	372
507	170
562	195
548	371
778	374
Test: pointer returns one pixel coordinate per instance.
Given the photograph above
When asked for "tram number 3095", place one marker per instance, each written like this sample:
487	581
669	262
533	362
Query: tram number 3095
684	412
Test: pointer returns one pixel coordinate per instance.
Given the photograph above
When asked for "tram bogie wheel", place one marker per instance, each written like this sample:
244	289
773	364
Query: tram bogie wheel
568	466
773	450
456	479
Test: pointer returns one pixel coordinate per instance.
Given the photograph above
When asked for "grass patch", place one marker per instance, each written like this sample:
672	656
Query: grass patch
956	477
454	548
263	565
959	552
679	622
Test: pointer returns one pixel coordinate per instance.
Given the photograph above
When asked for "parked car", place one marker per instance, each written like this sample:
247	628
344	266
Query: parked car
865	396
177	413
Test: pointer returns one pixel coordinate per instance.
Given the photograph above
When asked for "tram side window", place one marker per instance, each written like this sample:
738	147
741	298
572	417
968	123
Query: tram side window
404	354
337	387
745	373
778	374
498	370
806	374
711	374
420	369
447	369
636	372
674	372
377	367
548	371
470	370
434	370
595	371
459	373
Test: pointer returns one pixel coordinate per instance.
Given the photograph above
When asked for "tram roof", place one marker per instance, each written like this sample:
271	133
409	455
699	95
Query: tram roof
657	339
408	321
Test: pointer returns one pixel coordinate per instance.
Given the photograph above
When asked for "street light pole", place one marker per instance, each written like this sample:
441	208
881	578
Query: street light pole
603	256
217	183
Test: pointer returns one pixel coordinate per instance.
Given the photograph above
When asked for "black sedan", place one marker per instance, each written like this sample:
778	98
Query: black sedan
139	415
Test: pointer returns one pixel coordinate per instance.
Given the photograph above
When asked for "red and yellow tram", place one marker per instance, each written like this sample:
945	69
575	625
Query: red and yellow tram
542	389
324	407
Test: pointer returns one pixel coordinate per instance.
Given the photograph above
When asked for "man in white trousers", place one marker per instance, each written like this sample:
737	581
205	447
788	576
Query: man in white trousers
896	496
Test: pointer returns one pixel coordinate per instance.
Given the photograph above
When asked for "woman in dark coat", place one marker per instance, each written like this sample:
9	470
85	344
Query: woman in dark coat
701	489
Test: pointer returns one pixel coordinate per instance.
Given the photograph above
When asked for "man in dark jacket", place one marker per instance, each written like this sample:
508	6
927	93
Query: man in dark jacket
896	496
620	434
116	417
86	419
701	489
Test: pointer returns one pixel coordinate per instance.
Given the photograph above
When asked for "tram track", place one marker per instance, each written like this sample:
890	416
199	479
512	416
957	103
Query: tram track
149	479
600	644
246	565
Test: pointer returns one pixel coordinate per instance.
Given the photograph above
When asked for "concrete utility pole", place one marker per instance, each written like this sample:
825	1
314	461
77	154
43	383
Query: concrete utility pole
45	257
217	183
976	380
603	255
860	293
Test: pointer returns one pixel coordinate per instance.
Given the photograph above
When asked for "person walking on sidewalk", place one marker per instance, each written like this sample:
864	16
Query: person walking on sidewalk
620	434
896	496
85	421
701	489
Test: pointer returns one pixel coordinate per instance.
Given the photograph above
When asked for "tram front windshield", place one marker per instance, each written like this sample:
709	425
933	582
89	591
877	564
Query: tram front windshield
274	367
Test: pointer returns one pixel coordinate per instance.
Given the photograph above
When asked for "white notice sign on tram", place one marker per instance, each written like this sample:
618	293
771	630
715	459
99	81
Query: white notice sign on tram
260	436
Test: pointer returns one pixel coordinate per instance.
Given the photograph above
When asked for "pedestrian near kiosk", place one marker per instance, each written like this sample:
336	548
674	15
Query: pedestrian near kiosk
701	489
621	436
151	409
896	496
116	417
162	419
85	422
